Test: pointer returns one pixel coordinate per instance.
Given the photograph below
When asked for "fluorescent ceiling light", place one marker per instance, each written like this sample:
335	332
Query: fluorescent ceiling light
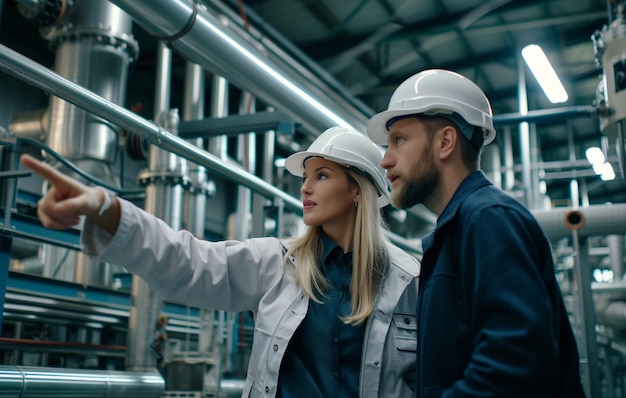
600	166
594	155
544	73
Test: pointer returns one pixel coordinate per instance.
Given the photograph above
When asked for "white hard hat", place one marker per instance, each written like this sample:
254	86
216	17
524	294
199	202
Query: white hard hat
436	92
348	148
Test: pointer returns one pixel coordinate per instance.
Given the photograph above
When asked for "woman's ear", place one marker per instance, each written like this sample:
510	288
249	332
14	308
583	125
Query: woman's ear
356	194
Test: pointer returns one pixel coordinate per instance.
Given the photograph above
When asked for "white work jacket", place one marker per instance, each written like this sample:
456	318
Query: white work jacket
250	276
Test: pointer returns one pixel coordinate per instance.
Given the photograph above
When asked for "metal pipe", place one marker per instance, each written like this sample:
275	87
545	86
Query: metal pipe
31	124
595	220
219	109
246	151
293	56
543	115
201	37
94	48
26	382
23	68
195	196
585	315
616	255
509	172
524	135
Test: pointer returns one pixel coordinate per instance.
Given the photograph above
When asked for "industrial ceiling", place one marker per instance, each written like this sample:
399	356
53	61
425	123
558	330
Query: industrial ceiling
370	46
364	49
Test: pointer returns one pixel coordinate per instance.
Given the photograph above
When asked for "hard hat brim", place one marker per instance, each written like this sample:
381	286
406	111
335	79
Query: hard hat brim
295	165
377	125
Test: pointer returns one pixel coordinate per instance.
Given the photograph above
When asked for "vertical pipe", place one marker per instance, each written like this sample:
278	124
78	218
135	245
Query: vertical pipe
164	200
586	315
194	209
509	160
93	48
524	134
212	322
194	213
219	108
491	164
584	193
163	78
616	256
266	164
246	156
574	193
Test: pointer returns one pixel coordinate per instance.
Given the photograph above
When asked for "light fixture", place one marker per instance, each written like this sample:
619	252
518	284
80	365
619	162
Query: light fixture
594	155
544	73
600	166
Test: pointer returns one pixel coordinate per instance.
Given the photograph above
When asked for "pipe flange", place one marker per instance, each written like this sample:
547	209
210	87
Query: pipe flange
171	178
43	13
207	188
69	33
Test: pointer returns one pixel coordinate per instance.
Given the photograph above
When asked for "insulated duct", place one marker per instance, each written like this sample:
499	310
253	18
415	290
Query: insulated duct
588	221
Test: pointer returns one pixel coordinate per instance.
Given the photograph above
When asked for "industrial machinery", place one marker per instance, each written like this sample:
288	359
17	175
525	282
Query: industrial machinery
219	173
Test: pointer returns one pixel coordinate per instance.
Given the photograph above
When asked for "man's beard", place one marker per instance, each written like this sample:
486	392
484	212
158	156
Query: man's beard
420	184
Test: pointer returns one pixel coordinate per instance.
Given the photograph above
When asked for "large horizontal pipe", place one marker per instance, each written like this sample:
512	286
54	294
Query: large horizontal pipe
199	36
25	69
594	220
27	381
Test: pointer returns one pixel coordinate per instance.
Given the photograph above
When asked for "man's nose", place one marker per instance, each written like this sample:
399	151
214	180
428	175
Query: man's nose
387	161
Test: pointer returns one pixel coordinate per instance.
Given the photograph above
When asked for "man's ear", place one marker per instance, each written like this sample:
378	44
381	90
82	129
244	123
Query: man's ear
448	141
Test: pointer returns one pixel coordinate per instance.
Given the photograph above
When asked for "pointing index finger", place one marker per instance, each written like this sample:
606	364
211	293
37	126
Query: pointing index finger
45	170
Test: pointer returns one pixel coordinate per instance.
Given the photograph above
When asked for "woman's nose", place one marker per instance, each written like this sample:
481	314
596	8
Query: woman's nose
305	188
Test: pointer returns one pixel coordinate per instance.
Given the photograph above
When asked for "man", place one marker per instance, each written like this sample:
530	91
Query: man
491	319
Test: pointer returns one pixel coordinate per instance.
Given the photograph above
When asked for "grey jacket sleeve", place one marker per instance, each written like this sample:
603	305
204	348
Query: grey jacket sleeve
227	275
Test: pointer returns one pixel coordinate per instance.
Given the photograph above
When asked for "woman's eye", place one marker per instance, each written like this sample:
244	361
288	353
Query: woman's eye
322	176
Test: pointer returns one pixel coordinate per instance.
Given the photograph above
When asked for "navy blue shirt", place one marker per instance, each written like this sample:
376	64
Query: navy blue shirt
323	358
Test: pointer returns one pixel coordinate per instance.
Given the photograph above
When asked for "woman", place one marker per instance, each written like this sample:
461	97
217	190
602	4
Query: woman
334	309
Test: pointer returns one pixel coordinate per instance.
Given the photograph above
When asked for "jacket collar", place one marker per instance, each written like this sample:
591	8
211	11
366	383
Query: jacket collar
474	181
403	260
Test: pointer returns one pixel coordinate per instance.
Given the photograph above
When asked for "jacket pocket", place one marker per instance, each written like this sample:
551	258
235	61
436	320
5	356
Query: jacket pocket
405	333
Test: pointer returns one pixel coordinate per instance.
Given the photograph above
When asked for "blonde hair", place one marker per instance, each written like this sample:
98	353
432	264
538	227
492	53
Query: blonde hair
370	259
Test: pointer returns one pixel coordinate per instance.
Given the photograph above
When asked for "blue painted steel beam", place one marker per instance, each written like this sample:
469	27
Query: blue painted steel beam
30	228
